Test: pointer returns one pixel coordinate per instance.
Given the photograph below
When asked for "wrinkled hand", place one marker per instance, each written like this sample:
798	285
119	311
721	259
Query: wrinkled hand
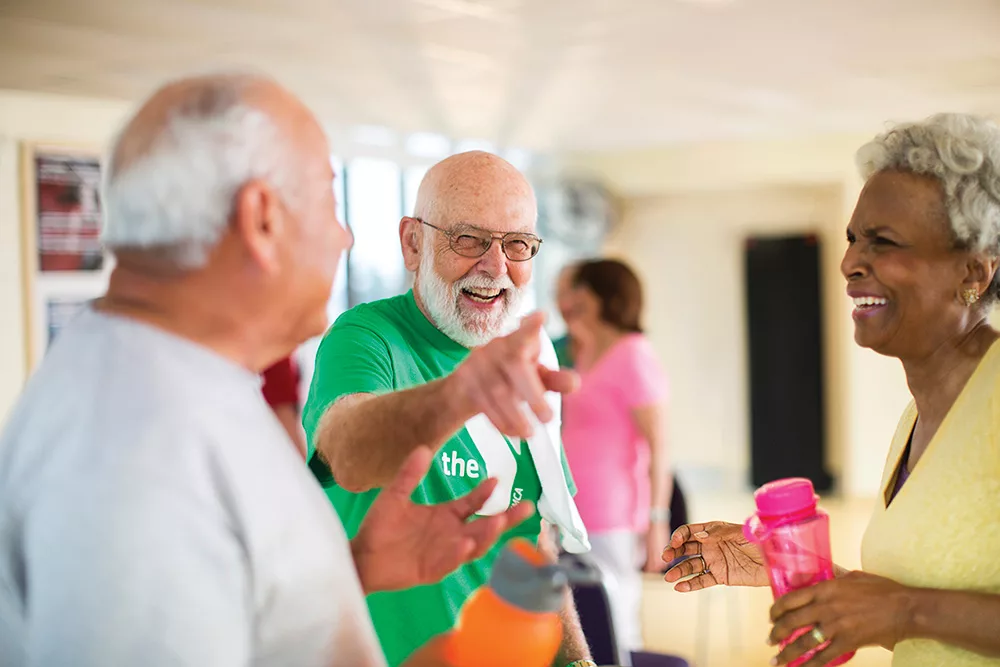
852	611
656	538
402	544
498	378
730	559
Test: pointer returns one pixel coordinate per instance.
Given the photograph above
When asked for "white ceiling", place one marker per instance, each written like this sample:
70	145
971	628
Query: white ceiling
542	75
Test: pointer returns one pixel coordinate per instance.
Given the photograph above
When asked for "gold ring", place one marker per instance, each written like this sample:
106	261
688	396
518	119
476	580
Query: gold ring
818	635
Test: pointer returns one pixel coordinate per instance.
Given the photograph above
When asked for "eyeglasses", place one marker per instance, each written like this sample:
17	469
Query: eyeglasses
472	242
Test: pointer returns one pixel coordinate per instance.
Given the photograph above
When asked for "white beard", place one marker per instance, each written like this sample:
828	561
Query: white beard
468	328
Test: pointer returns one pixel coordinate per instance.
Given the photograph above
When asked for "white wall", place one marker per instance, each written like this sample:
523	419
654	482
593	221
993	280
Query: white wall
721	166
687	210
34	118
688	249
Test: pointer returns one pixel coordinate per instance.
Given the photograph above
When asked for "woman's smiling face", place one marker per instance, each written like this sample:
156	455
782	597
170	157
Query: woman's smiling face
902	267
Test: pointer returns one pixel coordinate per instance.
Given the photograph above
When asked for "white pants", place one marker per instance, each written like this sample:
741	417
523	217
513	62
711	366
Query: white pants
617	554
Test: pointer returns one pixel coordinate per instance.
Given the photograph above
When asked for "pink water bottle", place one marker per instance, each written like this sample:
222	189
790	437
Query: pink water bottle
794	538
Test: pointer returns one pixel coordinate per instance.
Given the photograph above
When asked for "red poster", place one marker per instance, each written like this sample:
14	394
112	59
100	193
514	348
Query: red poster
69	213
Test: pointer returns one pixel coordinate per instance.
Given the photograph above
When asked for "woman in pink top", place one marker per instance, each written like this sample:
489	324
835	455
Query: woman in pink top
615	432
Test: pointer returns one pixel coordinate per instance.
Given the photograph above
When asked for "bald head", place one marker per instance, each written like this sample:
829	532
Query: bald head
462	185
177	165
471	295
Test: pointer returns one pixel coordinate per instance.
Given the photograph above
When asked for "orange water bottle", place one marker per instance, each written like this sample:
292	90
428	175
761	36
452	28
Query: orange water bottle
514	620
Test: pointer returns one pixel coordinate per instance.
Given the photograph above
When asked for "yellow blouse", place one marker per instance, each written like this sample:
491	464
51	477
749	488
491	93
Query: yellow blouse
943	528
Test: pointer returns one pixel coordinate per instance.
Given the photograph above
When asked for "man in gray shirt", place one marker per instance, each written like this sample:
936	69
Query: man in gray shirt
152	511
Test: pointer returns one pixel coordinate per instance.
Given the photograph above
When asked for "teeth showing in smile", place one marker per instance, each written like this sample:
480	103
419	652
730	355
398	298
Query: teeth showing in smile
868	301
482	295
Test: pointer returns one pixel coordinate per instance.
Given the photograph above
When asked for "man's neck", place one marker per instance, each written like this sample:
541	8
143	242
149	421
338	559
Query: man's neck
187	308
421	306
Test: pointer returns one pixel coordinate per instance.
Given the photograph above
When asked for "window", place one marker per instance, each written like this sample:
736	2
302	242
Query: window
338	298
411	183
374	207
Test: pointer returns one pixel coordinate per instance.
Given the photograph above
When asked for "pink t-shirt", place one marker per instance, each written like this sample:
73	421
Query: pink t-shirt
607	455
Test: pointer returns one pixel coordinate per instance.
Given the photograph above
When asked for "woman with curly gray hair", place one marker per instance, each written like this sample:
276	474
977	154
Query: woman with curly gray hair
921	267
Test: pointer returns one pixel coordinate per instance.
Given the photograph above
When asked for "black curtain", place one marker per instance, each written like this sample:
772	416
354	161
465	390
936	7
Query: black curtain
786	359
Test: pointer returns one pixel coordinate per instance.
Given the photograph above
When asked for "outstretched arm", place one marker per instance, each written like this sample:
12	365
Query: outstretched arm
364	438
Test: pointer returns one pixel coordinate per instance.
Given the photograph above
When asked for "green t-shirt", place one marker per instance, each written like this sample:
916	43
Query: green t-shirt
382	347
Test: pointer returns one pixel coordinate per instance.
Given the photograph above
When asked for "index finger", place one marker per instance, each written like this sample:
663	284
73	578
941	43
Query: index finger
485	531
411	472
529	388
563	380
792	601
686	533
530	328
473	501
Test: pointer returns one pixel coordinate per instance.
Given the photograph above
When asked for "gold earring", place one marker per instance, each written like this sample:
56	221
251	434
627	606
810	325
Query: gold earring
970	296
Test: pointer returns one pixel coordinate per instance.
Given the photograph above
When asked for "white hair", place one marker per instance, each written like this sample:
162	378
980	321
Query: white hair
963	152
177	196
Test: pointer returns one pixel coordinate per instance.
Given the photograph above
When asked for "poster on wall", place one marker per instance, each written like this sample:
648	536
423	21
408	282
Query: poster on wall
63	263
68	212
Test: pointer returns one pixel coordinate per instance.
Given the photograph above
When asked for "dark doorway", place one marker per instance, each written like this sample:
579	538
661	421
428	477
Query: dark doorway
786	359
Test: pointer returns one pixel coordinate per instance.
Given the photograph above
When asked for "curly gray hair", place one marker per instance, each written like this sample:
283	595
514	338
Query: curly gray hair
963	152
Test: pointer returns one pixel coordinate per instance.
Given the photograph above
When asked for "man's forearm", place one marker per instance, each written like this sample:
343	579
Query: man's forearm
574	644
365	438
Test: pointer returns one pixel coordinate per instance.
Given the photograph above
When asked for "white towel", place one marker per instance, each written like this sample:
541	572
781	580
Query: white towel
556	505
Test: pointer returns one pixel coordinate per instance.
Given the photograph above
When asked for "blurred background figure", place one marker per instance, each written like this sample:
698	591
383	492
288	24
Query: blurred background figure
564	302
281	391
615	431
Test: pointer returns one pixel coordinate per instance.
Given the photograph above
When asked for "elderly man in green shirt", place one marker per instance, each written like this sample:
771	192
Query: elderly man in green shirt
448	365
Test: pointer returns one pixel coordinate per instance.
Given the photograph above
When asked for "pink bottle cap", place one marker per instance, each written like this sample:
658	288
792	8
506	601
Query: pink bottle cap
785	496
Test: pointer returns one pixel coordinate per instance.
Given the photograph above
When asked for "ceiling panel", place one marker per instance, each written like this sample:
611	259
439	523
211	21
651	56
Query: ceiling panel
538	74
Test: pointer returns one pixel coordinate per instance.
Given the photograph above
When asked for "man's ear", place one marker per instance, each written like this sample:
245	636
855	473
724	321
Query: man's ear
411	241
257	221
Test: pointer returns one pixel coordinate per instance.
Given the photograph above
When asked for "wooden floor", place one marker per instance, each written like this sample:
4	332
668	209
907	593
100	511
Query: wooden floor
727	627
